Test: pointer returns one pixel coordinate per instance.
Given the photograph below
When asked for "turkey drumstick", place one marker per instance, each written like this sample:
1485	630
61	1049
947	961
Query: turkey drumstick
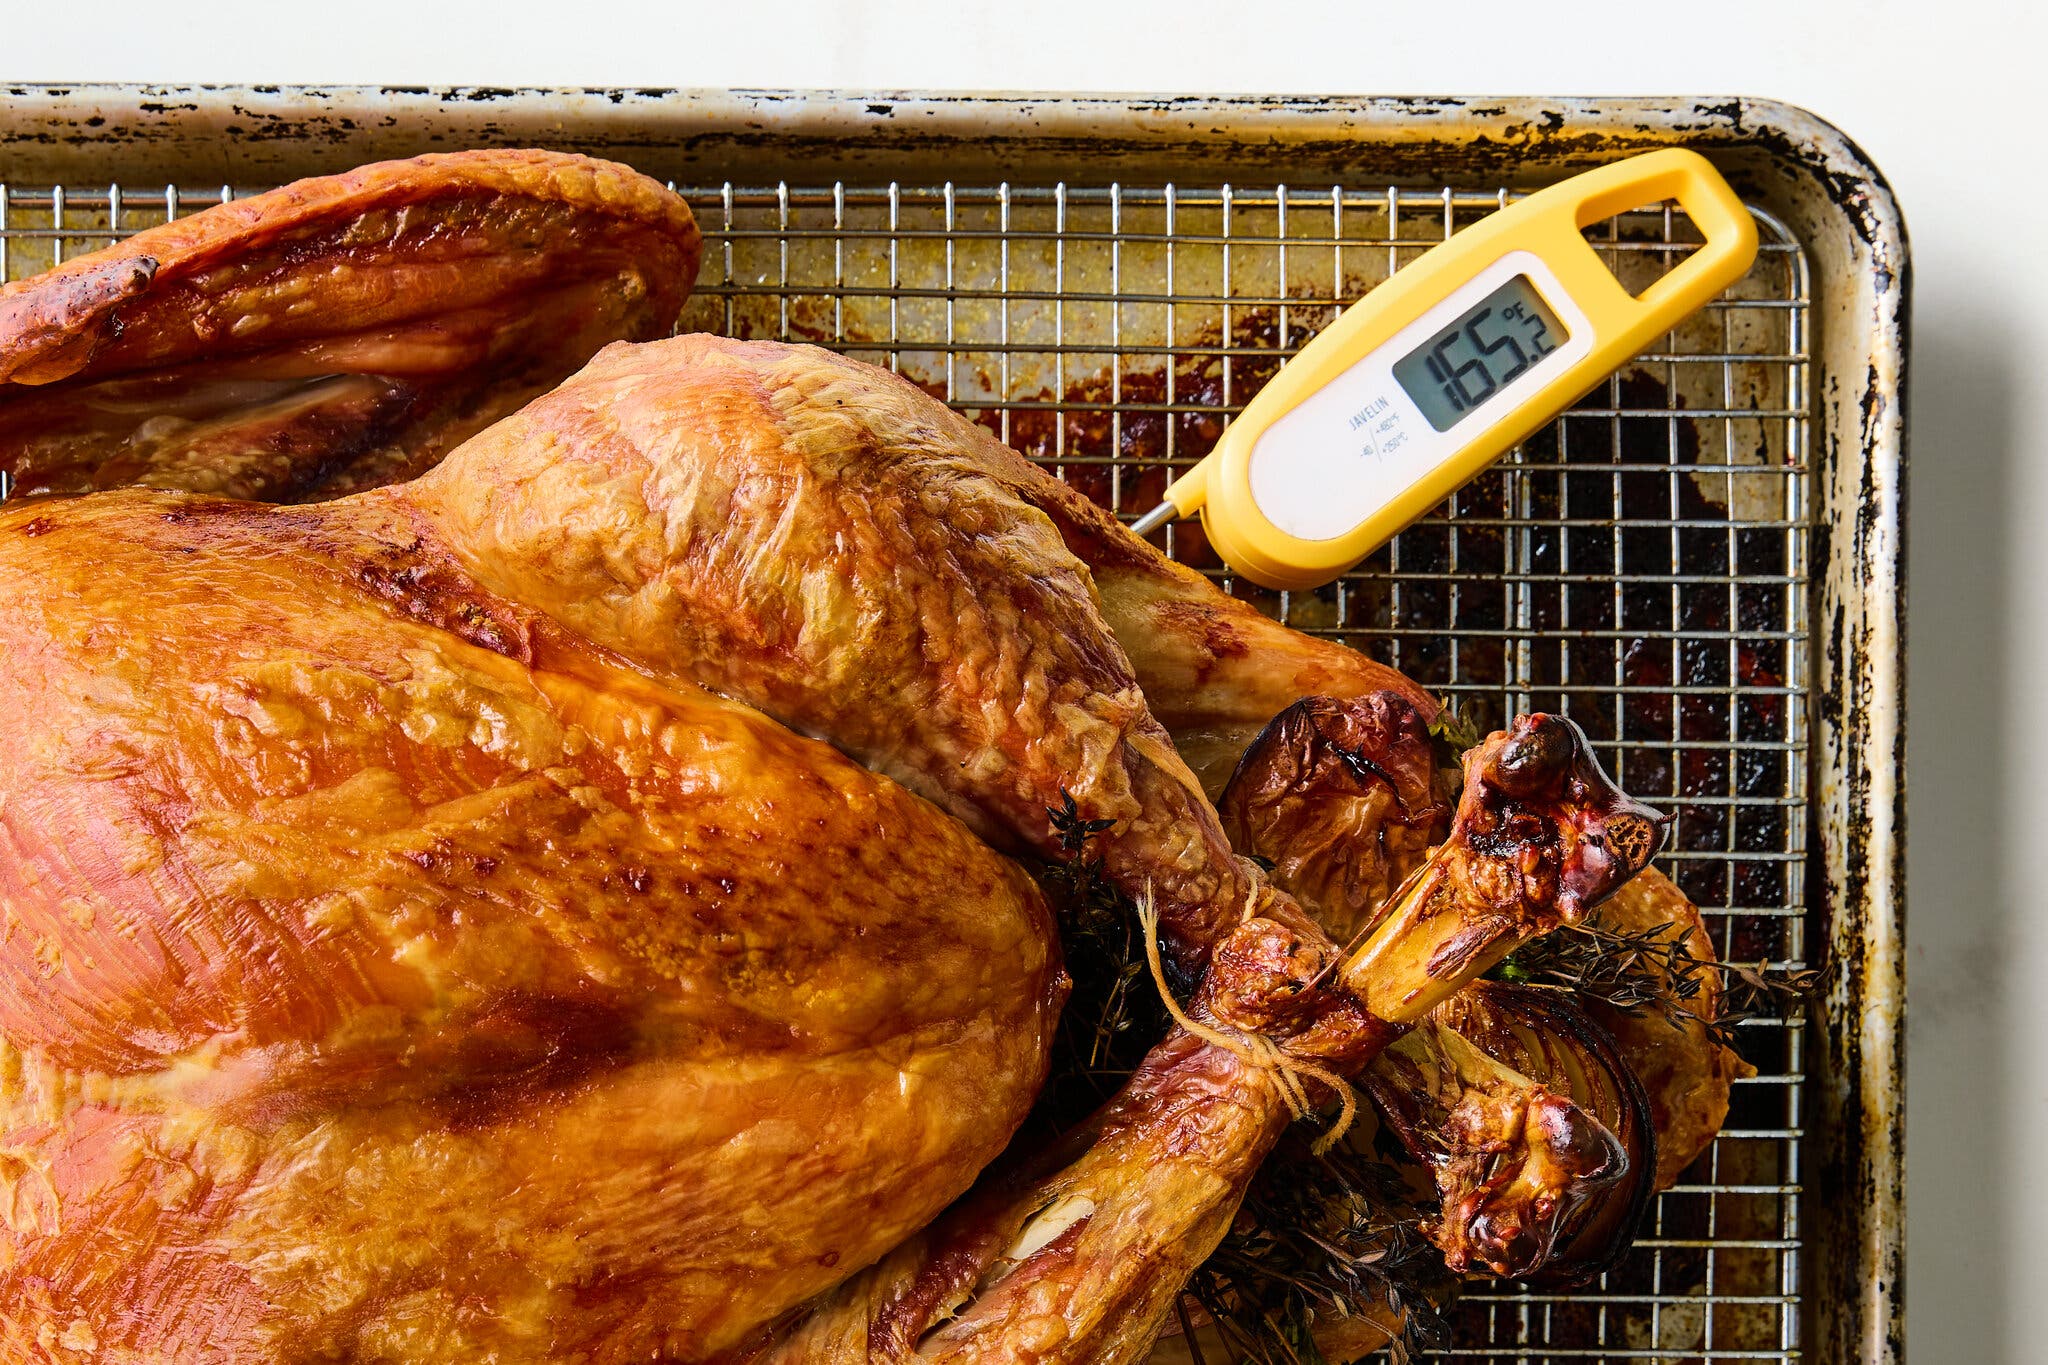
1079	1256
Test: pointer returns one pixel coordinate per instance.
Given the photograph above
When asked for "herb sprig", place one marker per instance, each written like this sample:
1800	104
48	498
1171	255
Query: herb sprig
1321	1238
1111	1018
1656	970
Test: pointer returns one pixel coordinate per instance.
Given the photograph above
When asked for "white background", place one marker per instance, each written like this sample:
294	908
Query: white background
1947	97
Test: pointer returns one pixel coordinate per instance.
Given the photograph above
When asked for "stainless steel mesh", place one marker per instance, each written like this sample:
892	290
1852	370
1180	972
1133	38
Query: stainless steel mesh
1640	565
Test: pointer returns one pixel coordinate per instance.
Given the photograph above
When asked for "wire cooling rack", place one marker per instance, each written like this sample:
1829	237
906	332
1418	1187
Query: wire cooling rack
1640	565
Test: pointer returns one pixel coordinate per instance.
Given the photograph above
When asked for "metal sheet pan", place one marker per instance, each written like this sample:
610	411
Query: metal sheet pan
1701	562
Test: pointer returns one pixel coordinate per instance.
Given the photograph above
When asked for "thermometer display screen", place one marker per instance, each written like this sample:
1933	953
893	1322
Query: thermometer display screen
1485	349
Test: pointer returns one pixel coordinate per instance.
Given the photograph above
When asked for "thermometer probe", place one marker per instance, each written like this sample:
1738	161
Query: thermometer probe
1428	379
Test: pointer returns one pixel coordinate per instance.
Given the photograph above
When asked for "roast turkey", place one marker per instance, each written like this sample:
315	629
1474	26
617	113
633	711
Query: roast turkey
571	899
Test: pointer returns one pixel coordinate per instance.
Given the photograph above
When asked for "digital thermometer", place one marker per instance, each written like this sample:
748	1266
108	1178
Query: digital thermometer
1419	386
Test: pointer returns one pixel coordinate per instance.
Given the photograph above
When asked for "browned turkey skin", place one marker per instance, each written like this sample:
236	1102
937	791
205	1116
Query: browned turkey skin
367	993
352	728
1226	680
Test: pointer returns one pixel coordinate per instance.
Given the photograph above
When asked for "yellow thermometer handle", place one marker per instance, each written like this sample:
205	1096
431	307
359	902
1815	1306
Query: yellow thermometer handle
1337	453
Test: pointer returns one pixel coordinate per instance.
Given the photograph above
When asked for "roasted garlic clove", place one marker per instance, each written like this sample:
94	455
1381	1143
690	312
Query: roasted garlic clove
1342	796
1685	1068
1538	1134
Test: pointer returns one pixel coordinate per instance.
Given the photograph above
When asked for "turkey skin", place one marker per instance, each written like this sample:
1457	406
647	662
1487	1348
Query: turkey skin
386	974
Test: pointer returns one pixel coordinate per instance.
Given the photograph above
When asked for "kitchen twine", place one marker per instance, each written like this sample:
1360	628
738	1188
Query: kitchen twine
1255	1049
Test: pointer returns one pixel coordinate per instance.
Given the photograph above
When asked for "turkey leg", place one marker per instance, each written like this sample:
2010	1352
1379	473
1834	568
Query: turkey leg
1079	1257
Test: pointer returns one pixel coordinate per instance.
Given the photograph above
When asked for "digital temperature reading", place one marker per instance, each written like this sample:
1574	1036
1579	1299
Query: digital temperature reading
1488	347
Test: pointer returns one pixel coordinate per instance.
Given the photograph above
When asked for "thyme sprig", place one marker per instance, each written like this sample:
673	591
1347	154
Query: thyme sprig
1111	1019
1655	970
1320	1238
